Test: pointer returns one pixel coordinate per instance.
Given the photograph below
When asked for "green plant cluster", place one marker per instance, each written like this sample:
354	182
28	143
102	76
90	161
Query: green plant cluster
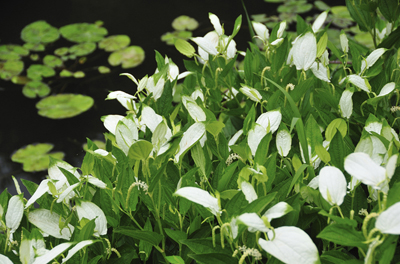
38	63
291	159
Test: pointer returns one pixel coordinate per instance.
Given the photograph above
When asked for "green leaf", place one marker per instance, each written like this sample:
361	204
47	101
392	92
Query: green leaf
52	61
164	104
337	152
35	88
151	237
360	15
249	120
339	220
83	32
113	43
337	124
129	57
176	235
205	246
321	46
258	205
214	258
87	230
393	195
334	233
262	150
37	71
236	27
184	47
226	178
10	68
214	127
322	153
389	9
299	172
82	49
64	105
140	150
39	32
199	158
313	132
175	260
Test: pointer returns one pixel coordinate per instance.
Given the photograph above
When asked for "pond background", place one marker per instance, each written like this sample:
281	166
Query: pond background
144	21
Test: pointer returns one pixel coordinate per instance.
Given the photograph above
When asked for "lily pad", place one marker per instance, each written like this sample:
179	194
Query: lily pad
12	52
104	69
61	51
20	80
79	74
170	37
341	16
35	88
295	7
113	43
66	73
82	49
129	57
321	5
34	57
34	46
39	32
52	61
83	32
35	157
185	22
64	105
10	68
37	71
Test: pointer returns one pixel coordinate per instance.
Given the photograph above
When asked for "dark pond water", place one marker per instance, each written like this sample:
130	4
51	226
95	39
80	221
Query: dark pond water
143	20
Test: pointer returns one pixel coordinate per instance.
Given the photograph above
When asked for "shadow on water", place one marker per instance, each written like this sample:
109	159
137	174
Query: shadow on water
144	21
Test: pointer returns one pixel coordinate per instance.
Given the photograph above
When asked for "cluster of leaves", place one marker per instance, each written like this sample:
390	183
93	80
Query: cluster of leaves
46	63
292	159
183	27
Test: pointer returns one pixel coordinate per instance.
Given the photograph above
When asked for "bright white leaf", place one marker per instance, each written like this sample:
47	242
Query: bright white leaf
201	197
346	104
255	136
283	142
157	89
314	183
197	94
359	82
96	182
277	42
207	45
215	22
41	189
48	222
150	118
126	133
319	21
372	58
278	210
5	260
332	185
111	121
67	192
253	222
251	93
195	112
387	89
282	27
123	98
76	248
344	42
231	50
320	71
189	138
52	254
235	137
261	30
270	120
291	245
388	221
15	211
91	211
130	76
305	51
364	169
248	191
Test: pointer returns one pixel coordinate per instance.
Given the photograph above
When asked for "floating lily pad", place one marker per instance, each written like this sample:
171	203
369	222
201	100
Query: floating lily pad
12	52
66	73
341	16
104	69
20	79
79	74
37	71
10	68
52	61
170	37
39	32
82	49
61	51
295	7
129	57
262	18
35	157
83	32
64	105
34	57
113	43
34	46
321	5
185	22
35	88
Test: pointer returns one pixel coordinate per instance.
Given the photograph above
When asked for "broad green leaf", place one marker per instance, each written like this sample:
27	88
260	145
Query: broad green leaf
37	71
129	57
83	32
39	32
248	123
334	233
151	237
35	88
113	43
10	68
64	105
140	150
184	22
321	46
215	258
184	47
176	235
82	49
175	260
337	124
359	14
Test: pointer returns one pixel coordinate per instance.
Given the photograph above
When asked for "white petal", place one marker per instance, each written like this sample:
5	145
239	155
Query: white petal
359	82
270	120
255	136
253	221
248	191
261	30
319	21
305	51
76	248
387	89
231	50
201	197
372	58
346	104
111	121
291	245
332	185
364	169
90	211
15	211
215	22
52	254
48	222
388	221
278	210
189	138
